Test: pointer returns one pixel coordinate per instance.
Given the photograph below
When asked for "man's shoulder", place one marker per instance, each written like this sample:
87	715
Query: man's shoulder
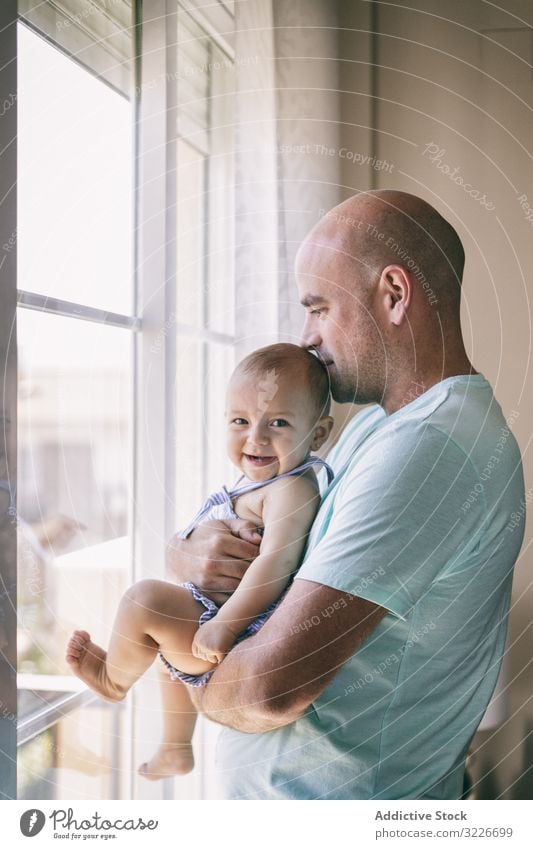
403	456
354	432
361	422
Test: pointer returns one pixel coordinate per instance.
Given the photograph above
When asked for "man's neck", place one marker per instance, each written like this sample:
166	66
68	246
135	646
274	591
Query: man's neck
402	392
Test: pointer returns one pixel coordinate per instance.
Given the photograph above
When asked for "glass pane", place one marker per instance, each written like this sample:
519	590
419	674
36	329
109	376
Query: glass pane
194	52
189	429
220	196
190	241
75	181
220	361
200	429
83	756
74	482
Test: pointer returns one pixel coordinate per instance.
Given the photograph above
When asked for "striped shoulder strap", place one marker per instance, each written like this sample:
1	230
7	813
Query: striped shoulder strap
307	464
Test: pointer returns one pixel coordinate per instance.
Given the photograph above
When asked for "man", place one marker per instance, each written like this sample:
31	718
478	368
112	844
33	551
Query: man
369	680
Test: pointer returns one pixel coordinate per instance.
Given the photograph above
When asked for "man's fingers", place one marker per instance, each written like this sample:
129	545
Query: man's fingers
250	535
230	573
215	557
244	529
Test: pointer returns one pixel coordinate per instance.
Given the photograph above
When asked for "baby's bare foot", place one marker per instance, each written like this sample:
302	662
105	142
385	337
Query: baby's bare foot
170	759
87	661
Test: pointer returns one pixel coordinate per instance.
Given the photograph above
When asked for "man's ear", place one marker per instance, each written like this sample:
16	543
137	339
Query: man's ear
322	432
396	287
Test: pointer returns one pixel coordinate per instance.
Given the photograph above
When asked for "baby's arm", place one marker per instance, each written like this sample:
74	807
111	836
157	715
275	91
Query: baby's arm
289	508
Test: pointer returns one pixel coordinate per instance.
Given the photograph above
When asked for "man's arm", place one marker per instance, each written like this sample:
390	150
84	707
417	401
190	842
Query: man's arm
270	679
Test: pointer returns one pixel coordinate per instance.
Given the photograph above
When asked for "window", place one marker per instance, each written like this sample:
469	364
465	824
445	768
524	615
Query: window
205	291
75	407
126	339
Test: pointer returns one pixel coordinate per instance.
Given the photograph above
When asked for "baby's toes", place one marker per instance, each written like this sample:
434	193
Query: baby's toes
76	644
81	636
73	652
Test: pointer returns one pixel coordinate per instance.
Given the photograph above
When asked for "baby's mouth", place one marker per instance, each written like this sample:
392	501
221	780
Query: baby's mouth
259	461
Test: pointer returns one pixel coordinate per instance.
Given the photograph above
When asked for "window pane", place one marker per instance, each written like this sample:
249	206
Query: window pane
189	425
202	464
205	181
220	360
83	756
74	183
74	482
220	197
190	242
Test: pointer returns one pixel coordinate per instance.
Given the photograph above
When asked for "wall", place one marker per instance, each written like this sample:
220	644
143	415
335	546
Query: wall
450	121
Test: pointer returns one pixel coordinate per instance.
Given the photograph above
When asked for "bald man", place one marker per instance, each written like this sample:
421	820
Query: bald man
372	675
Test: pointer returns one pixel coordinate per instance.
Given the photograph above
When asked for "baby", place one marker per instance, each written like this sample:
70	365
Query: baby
277	411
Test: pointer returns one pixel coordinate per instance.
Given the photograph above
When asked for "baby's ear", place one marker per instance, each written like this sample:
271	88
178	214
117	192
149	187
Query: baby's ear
322	432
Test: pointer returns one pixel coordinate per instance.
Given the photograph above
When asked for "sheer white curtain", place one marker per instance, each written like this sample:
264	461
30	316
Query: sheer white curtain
287	123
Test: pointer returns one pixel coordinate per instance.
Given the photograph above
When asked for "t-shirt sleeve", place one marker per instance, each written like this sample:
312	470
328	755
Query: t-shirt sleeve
397	519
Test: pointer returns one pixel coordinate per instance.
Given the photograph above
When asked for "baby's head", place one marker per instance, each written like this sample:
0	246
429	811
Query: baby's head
277	410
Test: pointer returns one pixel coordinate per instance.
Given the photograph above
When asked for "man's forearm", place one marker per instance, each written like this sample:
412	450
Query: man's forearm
234	696
271	679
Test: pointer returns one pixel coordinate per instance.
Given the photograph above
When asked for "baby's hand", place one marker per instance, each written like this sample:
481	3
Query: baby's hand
212	641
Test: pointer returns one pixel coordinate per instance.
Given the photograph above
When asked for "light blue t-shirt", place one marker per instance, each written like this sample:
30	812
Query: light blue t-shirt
418	520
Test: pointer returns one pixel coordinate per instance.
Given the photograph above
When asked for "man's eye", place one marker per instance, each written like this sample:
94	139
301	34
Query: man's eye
315	312
239	421
280	423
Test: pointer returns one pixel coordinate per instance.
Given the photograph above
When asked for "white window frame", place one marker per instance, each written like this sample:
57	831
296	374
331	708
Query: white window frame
156	264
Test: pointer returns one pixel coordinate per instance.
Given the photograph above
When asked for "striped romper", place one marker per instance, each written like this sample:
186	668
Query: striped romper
219	505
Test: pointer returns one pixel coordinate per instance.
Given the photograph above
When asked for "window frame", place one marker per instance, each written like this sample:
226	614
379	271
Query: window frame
8	451
156	223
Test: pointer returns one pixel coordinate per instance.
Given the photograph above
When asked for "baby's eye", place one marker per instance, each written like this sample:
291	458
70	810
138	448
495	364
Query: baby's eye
280	423
239	421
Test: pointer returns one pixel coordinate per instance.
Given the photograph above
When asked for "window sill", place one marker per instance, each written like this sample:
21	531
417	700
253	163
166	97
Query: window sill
48	699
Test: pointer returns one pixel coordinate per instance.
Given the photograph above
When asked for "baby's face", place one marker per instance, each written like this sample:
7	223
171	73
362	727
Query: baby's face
271	423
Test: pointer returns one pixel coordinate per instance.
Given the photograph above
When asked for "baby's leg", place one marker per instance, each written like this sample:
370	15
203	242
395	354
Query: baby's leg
152	615
174	756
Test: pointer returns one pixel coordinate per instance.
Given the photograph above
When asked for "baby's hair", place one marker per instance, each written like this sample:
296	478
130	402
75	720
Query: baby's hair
283	357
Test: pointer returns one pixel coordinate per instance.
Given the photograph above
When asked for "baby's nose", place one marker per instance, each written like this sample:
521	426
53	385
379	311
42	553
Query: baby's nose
258	436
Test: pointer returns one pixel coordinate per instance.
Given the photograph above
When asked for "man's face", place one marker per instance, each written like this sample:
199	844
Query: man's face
340	323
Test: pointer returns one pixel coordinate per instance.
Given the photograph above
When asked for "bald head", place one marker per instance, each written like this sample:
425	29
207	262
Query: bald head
380	278
375	229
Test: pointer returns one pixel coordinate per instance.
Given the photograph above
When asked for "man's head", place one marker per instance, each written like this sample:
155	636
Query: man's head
277	410
380	276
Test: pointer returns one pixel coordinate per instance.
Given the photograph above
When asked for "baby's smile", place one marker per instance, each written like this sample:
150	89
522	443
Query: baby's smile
259	461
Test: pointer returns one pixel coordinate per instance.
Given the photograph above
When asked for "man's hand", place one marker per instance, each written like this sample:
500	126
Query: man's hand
214	557
213	641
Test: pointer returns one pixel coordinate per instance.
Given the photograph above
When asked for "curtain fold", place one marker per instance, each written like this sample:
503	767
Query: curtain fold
287	121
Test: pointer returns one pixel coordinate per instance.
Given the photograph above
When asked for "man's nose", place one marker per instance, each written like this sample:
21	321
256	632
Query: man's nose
309	337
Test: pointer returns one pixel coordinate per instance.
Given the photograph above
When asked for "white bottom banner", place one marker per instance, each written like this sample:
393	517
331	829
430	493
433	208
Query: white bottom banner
357	824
